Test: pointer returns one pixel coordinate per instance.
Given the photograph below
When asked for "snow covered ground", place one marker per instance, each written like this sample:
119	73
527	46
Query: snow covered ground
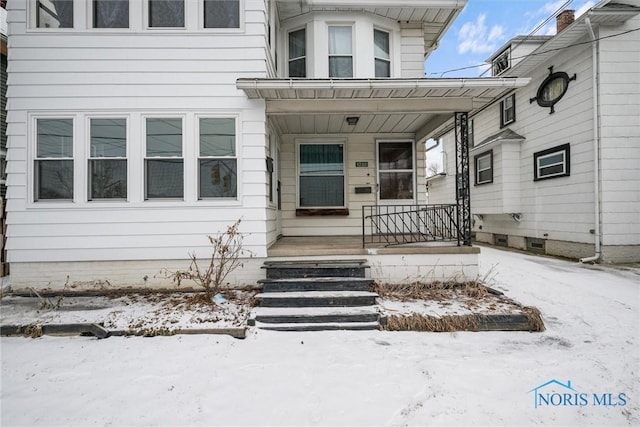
592	314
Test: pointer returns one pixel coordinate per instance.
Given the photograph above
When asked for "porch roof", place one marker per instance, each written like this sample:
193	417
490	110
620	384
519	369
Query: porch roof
382	105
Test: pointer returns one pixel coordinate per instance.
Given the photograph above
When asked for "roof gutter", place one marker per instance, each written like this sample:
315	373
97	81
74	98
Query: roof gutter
322	84
596	144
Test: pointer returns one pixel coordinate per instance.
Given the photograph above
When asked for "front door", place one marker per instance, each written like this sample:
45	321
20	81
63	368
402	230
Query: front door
396	172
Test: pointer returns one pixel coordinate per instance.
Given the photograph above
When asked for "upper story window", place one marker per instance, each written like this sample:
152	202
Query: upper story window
501	62
110	13
381	53
54	13
340	51
221	13
508	110
53	169
298	53
108	159
164	164
218	165
166	13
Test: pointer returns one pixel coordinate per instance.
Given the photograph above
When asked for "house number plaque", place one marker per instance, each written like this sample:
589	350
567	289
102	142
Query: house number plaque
362	164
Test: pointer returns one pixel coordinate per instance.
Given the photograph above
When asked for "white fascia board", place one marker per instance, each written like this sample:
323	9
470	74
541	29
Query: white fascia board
386	3
324	84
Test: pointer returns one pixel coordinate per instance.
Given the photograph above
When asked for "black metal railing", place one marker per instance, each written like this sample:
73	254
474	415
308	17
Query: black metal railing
399	224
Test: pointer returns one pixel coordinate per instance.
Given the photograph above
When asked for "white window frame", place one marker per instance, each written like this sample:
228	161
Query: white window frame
306	50
343	143
351	55
145	157
376	58
476	162
565	150
90	157
241	21
34	159
235	157
414	172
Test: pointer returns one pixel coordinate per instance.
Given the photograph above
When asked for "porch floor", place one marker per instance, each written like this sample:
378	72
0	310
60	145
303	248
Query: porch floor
291	246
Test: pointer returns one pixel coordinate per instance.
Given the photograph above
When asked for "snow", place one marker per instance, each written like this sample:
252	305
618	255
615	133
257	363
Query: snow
592	314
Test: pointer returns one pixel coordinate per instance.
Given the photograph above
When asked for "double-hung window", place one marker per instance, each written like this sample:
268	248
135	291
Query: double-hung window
484	168
108	159
340	51
381	53
218	165
321	175
298	53
54	13
110	14
552	163
508	110
164	164
53	168
166	13
221	13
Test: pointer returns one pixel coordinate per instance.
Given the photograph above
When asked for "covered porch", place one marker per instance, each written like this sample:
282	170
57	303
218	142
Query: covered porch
349	161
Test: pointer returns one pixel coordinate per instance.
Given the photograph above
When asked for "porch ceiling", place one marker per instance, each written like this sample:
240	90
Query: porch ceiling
417	106
435	16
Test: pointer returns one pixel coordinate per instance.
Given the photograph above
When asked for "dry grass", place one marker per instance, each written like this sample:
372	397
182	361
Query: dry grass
424	323
430	291
535	319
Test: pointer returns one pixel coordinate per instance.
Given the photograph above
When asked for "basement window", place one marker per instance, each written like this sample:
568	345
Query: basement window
536	245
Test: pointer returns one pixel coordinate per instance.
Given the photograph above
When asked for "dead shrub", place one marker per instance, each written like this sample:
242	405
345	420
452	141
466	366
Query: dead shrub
424	323
534	318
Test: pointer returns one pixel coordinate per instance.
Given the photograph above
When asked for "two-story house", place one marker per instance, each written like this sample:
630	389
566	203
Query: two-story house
137	127
554	164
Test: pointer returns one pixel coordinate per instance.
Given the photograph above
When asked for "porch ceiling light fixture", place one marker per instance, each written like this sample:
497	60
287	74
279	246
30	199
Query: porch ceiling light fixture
352	120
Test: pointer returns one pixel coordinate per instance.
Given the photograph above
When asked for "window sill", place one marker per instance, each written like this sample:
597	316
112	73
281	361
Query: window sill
323	212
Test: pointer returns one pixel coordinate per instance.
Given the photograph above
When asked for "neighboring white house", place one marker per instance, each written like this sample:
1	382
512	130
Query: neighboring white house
136	128
555	164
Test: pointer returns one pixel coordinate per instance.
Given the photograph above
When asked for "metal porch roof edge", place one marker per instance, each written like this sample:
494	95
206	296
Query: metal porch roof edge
255	87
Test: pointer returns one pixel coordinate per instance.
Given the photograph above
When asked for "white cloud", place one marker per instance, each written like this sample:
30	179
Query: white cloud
476	37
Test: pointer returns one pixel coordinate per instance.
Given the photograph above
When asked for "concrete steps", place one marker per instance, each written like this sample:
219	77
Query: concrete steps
316	295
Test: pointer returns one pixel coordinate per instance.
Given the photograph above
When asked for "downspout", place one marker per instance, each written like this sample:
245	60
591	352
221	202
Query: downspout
596	143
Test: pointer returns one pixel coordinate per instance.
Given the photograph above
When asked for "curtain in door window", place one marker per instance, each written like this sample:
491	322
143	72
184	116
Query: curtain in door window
395	167
111	14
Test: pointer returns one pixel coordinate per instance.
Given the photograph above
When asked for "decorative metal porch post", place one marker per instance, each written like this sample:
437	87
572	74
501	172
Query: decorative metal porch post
463	196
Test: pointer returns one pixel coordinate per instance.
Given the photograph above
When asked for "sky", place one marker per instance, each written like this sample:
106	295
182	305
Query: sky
486	25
